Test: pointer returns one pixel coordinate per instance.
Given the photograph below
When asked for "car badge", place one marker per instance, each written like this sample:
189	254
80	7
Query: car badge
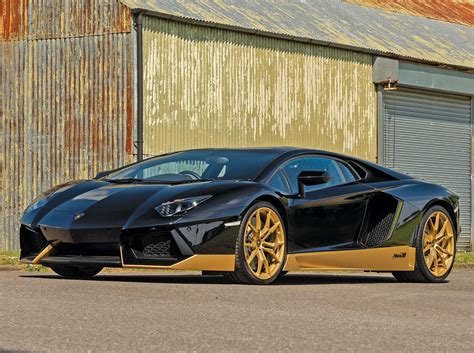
79	215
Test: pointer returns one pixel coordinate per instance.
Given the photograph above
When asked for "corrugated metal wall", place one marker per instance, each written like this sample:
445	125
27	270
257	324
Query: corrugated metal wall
429	135
208	87
45	19
67	102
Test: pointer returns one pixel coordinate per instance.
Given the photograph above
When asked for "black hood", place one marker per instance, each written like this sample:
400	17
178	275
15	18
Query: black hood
101	204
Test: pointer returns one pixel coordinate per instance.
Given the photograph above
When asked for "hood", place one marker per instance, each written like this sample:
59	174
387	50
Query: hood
101	204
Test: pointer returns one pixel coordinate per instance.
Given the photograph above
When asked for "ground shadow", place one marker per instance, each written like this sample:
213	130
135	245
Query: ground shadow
289	279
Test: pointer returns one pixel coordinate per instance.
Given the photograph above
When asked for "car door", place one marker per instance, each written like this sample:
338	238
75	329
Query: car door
329	215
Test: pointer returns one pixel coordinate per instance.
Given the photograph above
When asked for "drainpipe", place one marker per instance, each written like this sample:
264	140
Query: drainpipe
138	24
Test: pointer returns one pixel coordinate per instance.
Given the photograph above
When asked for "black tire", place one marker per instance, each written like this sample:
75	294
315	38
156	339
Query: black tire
76	272
242	274
421	273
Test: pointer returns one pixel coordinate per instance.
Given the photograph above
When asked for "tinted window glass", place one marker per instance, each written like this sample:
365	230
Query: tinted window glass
296	166
200	164
278	182
348	174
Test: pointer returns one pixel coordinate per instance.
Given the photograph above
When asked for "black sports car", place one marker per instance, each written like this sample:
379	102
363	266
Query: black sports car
249	214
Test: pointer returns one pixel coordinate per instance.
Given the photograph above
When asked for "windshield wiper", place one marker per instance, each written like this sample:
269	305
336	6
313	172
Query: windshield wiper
175	182
123	181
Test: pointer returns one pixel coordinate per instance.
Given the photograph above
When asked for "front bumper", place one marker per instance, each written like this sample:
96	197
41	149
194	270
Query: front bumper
203	246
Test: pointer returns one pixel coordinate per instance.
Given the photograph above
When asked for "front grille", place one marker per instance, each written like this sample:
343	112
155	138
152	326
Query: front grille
380	232
154	245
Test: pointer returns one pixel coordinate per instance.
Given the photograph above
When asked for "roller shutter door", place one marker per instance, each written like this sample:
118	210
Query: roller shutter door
429	135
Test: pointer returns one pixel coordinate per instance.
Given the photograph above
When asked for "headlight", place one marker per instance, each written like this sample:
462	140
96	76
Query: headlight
177	207
42	199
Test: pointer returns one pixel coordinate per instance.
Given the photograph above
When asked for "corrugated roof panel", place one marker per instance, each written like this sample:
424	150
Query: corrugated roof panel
331	21
455	11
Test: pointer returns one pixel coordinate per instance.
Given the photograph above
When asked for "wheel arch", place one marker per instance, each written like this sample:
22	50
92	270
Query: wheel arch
448	207
275	201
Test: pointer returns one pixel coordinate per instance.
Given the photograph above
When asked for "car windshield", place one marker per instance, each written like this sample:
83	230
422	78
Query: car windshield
198	165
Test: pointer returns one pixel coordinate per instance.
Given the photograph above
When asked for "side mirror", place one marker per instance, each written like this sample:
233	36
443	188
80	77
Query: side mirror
310	178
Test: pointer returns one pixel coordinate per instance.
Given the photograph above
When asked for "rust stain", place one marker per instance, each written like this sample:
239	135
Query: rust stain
455	11
12	18
26	19
66	97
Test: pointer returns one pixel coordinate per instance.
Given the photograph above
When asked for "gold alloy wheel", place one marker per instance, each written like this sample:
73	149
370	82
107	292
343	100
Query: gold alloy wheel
264	243
438	243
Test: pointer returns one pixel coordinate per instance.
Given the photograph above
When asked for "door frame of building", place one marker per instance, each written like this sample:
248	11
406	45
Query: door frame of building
427	78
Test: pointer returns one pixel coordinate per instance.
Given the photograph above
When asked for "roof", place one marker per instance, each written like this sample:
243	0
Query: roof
455	11
330	22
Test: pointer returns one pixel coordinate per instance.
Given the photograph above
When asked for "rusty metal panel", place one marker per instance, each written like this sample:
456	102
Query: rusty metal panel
67	114
456	11
208	87
42	19
330	22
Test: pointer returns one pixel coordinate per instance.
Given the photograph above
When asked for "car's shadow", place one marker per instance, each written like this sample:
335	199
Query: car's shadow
290	279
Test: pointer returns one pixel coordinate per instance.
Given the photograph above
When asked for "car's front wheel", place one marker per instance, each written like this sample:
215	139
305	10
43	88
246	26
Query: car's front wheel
435	248
260	247
76	271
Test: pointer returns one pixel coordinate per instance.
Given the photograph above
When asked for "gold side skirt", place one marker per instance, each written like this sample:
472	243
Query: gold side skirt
397	258
197	262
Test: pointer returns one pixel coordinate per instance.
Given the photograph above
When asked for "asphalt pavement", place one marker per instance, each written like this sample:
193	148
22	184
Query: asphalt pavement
145	311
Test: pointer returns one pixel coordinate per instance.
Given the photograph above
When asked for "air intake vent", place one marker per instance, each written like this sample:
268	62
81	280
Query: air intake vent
157	247
380	232
154	245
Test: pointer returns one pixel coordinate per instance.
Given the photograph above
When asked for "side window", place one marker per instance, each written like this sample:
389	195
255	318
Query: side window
296	166
348	174
278	182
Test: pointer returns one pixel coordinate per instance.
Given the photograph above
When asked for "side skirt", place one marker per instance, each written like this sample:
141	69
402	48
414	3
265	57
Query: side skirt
397	258
197	262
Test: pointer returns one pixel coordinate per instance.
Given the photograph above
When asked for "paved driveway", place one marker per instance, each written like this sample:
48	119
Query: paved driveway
173	311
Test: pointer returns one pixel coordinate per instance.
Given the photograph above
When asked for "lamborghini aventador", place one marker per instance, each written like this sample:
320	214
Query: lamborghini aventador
251	215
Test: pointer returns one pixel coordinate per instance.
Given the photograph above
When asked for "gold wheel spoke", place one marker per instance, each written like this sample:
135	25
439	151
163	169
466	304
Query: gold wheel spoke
266	265
444	251
250	245
426	248
436	225
273	246
258	220
431	258
253	229
442	232
268	220
436	267
252	256
259	263
444	239
272	254
443	261
432	225
271	230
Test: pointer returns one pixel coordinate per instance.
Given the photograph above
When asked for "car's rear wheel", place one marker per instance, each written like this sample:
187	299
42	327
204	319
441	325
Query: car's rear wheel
435	248
260	247
76	271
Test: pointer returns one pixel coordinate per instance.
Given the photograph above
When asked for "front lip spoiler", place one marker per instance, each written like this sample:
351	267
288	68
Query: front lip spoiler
102	261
